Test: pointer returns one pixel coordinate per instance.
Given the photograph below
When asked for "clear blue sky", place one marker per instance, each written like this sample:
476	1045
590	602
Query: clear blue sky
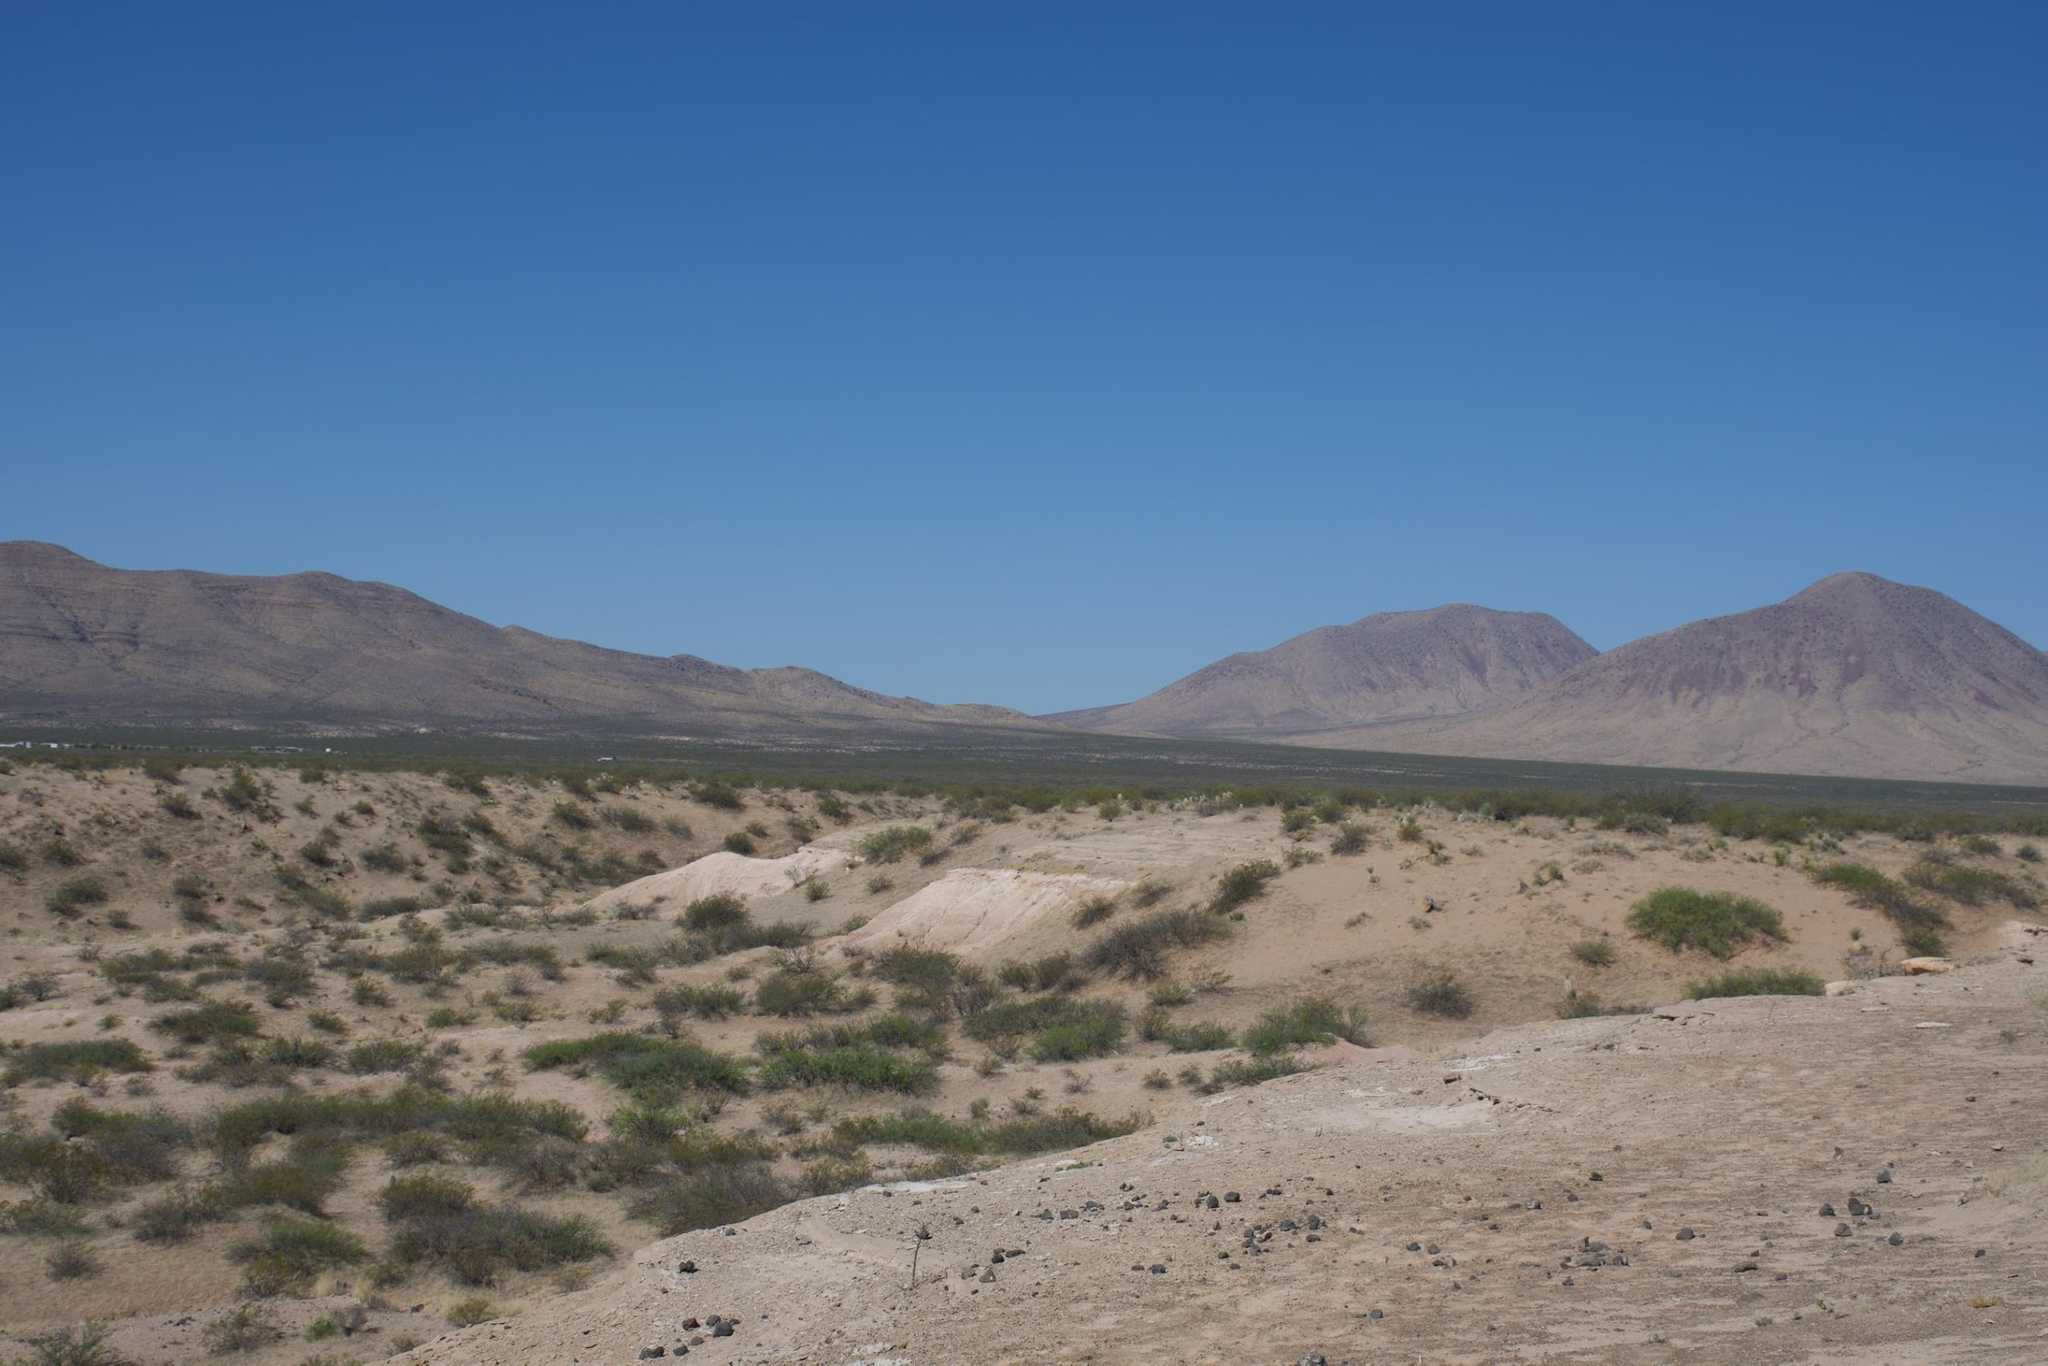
1032	354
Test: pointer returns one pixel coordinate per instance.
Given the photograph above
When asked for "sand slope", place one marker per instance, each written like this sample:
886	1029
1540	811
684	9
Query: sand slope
1525	1196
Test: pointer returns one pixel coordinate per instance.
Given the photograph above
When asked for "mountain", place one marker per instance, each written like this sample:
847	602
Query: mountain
82	642
1856	676
1386	667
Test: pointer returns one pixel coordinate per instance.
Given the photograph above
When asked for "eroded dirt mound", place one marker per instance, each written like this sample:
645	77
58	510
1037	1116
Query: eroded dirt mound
971	910
722	872
1649	1188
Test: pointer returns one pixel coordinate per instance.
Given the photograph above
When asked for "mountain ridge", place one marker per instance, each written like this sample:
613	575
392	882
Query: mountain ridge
1388	666
82	641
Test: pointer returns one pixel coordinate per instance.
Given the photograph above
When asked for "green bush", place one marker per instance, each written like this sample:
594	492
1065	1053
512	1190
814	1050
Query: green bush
1095	1029
74	1060
711	1197
1756	982
891	844
863	1067
477	1245
1316	1020
1920	925
1594	953
1094	911
1972	886
212	1022
424	1193
1022	1136
1137	948
1718	922
1251	1071
291	1253
791	992
1244	883
739	842
74	894
651	1070
1441	993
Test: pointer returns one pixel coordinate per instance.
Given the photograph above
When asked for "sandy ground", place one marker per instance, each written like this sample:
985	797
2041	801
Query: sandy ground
1614	1190
1358	928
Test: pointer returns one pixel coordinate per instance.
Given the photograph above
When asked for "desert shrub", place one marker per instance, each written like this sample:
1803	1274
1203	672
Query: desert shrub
923	977
739	842
136	1147
1246	882
1203	1037
1718	922
12	859
1093	1029
74	894
1013	1019
72	1262
891	844
1971	886
720	795
710	914
1316	1020
1441	993
74	1060
302	1180
1065	1128
1919	923
424	1193
291	1253
630	819
178	806
788	992
81	1346
572	816
1982	844
1094	911
832	808
241	1329
1594	953
710	1197
1138	948
59	852
211	1022
477	1245
175	1217
488	1122
385	858
1756	982
41	1217
710	1002
864	1067
382	1055
1635	821
468	1313
651	1070
1351	838
1251	1071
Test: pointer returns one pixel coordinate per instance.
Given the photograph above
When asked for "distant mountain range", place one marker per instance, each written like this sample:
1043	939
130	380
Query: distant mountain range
1394	666
80	642
1855	676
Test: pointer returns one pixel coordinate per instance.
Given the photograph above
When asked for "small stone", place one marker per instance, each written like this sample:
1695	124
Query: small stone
1231	1197
1415	1247
1896	1239
721	1329
1686	1235
1884	1176
653	1353
1741	1267
1827	1211
1843	1230
1159	1268
1376	1316
688	1268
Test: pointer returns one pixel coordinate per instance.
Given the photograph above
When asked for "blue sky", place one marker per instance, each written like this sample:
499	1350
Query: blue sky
1032	354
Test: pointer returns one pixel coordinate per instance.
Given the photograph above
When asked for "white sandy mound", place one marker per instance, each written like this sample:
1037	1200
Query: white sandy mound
973	908
724	872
